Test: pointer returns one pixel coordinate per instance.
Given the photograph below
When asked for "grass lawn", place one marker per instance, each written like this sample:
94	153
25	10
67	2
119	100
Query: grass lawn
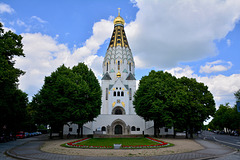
123	141
126	143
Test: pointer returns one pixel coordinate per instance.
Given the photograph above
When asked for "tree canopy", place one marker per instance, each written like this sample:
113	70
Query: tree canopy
13	102
226	116
68	95
183	103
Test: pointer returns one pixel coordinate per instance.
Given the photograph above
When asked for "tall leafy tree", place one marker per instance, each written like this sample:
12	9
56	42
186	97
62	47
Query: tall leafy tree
154	98
182	103
93	97
198	104
12	99
68	95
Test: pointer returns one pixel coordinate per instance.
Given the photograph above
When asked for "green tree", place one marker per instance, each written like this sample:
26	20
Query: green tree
225	117
196	104
182	103
154	98
92	106
13	101
67	97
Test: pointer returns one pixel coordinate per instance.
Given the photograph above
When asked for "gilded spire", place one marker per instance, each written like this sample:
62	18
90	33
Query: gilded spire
118	37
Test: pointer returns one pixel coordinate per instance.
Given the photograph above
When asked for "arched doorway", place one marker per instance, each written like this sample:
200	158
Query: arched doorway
118	129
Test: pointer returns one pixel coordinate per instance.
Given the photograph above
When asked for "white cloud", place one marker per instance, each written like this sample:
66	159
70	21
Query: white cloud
38	19
222	87
216	66
5	8
43	54
167	32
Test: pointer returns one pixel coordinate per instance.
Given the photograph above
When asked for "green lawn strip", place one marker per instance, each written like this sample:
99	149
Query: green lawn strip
97	142
111	141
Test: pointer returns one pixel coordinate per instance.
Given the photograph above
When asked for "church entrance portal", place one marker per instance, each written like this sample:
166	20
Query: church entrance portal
118	129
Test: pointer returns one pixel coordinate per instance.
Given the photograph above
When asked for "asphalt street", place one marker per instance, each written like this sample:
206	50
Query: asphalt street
231	141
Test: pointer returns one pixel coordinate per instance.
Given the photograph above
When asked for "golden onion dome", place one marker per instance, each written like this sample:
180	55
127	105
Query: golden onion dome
118	74
119	19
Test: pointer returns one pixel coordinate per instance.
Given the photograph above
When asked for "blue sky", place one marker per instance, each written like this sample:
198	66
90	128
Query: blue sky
197	39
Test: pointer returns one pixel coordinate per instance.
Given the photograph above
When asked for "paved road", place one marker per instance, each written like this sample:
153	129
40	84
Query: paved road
231	141
7	146
30	149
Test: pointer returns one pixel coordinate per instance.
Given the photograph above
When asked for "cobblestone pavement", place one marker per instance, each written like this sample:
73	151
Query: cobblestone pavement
30	149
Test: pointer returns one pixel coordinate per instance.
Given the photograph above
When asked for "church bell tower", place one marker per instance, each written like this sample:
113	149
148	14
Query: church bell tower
118	82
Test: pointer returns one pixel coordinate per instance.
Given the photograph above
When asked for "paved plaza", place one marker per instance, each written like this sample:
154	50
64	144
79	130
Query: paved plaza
30	149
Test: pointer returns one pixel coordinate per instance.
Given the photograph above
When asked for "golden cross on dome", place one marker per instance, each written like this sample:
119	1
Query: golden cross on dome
119	11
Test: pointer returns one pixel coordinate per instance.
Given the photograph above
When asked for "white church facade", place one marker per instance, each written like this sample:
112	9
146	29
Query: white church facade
118	116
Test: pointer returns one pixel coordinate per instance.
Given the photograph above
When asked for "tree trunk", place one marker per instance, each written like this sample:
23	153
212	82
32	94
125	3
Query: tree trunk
156	129
61	132
82	131
51	133
78	131
174	133
191	133
186	133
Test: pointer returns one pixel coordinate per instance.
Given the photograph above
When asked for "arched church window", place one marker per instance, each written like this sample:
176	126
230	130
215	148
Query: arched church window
118	65
118	93
103	128
114	93
130	67
133	128
122	93
130	94
118	112
107	66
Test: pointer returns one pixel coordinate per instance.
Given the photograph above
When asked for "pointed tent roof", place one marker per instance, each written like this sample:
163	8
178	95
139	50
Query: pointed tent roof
130	77
119	37
106	77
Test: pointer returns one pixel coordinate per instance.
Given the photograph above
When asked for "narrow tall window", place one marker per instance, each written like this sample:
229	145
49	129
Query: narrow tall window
130	67
130	94
106	93
118	93
114	93
122	93
118	65
107	66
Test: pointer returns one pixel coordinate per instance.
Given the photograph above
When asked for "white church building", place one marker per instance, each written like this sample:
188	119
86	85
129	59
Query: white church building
118	116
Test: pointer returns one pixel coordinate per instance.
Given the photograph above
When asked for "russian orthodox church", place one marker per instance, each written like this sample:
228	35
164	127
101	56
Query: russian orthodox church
118	116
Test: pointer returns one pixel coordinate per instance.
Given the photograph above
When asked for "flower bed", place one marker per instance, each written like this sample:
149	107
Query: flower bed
161	143
75	145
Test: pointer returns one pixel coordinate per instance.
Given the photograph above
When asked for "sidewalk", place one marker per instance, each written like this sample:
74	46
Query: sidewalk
31	150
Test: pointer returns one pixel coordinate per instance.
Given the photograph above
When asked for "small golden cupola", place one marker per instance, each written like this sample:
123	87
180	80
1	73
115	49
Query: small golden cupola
119	37
118	74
